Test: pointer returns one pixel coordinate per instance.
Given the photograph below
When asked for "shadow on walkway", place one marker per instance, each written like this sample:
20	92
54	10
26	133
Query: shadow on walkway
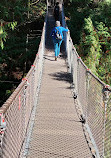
62	76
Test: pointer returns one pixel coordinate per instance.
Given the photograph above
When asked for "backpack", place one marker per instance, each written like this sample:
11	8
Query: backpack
58	35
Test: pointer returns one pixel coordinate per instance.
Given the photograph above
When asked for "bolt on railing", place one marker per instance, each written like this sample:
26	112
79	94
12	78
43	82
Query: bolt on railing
15	112
94	98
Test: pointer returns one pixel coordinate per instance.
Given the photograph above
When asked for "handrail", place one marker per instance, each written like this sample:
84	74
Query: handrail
69	39
8	102
15	112
93	102
104	84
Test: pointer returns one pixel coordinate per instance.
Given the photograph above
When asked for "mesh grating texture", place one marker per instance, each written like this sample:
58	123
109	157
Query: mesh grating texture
57	131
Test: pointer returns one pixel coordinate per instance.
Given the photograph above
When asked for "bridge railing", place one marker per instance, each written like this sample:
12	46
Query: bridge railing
93	103
15	112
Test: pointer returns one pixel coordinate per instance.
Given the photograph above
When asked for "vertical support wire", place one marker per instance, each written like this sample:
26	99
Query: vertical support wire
106	97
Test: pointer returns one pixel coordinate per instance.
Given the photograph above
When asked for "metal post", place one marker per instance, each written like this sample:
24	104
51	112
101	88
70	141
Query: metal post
2	129
88	78
47	5
106	97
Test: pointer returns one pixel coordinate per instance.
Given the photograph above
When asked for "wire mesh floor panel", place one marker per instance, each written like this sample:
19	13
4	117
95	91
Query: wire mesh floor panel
57	132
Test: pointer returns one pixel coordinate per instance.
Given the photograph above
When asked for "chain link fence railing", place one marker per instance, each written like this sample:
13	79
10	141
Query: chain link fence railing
94	98
107	132
15	112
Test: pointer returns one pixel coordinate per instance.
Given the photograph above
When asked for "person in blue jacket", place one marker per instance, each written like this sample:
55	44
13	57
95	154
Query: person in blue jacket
57	42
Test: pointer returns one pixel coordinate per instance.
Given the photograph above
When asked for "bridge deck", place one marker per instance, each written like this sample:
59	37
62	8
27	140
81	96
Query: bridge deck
57	132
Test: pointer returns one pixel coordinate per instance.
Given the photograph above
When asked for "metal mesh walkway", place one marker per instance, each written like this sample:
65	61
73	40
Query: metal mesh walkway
41	120
57	131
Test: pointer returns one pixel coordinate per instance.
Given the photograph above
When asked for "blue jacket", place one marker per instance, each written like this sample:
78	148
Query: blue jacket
60	29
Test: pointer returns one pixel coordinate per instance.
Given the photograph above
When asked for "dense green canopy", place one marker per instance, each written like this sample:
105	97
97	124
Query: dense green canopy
18	19
90	25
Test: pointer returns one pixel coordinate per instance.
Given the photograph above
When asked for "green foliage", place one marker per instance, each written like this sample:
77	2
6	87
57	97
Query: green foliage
92	47
17	12
5	91
16	54
8	93
103	13
104	68
16	59
90	25
12	25
3	31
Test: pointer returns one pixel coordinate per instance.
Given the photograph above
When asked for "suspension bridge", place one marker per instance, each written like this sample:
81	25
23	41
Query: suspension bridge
59	110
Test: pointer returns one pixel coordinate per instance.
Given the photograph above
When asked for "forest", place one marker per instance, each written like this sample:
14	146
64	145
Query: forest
21	23
89	22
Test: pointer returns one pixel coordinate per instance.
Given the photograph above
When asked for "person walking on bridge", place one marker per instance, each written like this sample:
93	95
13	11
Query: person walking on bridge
57	12
57	34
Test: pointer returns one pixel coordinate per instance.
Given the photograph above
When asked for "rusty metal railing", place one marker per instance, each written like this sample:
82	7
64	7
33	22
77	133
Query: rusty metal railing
15	112
93	103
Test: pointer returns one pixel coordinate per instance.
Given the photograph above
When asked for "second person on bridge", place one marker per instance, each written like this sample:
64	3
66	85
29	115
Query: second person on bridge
57	34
